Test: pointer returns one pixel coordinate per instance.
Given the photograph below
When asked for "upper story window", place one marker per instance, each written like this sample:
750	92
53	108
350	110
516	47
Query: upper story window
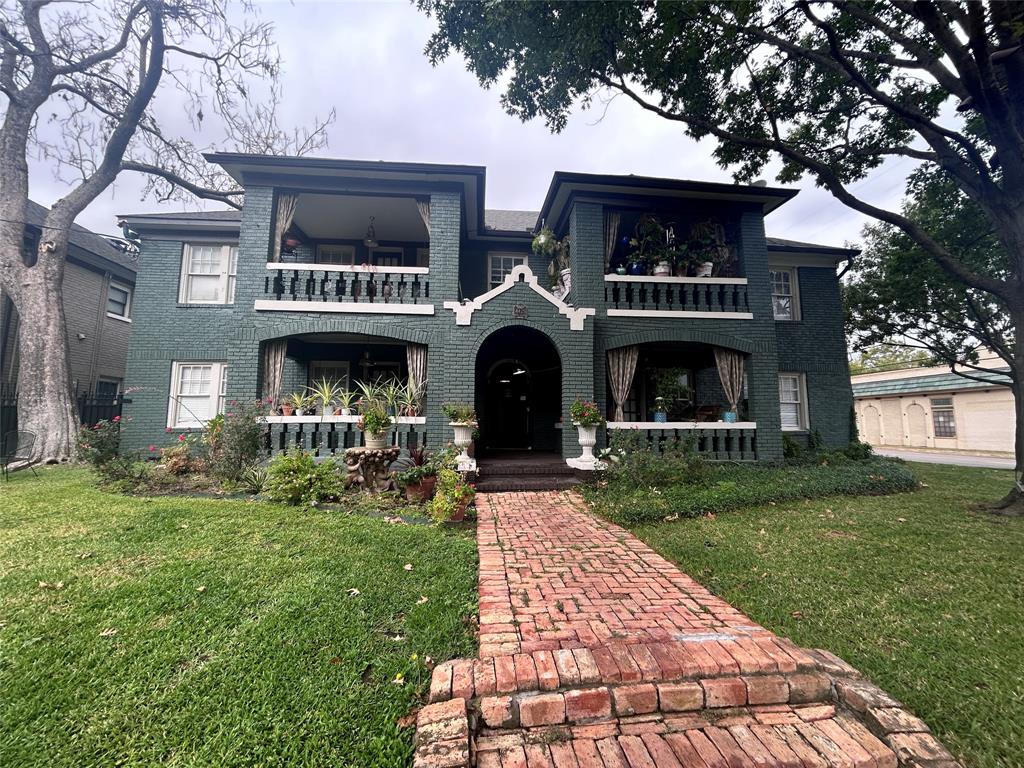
119	300
793	401
943	417
208	273
197	393
785	294
335	254
500	265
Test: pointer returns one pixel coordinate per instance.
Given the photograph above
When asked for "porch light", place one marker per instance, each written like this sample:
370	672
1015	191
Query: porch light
370	241
519	371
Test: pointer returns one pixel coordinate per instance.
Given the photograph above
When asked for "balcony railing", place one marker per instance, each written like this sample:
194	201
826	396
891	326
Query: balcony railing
697	297
332	435
346	288
718	440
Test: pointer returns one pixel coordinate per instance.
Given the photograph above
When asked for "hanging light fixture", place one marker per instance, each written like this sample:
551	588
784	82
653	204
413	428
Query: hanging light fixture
370	241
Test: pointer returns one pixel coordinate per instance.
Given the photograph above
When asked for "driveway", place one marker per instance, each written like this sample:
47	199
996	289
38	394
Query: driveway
957	459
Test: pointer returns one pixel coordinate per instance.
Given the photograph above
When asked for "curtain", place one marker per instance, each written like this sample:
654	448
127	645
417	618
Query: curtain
730	371
416	358
621	367
611	234
286	203
423	206
273	368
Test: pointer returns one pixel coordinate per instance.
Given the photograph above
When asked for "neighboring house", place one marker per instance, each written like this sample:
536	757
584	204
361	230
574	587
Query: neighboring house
99	281
396	269
934	408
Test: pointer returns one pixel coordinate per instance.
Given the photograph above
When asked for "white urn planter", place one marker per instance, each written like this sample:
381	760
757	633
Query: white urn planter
705	269
662	269
588	439
463	439
565	280
376	440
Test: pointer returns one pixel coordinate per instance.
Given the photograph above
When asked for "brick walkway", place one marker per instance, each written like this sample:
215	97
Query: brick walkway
596	651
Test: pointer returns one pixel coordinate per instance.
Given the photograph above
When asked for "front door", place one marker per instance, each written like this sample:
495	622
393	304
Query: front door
509	425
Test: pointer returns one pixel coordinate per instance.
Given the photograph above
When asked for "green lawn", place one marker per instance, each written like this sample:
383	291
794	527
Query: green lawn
237	641
917	591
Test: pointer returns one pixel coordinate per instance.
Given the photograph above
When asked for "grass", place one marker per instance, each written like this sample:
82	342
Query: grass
918	591
237	640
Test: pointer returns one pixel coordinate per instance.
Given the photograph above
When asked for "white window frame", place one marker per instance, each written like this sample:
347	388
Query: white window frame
341	365
118	285
802	414
389	251
179	417
520	258
108	380
227	273
347	253
939	405
794	291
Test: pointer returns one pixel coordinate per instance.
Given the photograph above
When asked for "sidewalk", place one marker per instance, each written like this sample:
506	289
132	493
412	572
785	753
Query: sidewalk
955	459
596	651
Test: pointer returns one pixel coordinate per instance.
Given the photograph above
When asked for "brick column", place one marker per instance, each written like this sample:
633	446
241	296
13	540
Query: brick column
586	255
445	235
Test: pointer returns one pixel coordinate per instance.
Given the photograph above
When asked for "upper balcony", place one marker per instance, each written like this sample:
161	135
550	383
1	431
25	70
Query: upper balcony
349	253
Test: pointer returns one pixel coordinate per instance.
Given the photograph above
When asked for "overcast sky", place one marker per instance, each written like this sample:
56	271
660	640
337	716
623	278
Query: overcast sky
366	60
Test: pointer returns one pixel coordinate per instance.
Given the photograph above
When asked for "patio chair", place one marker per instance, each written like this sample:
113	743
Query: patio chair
16	448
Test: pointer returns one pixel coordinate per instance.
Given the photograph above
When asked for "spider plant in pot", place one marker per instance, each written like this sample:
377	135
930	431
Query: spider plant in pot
326	393
392	392
461	418
409	403
299	402
346	399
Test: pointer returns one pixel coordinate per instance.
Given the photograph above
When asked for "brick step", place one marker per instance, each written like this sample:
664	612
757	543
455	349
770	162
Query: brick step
488	483
525	468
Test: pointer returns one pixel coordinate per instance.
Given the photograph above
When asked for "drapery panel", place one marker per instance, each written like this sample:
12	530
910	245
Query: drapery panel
621	367
423	206
286	203
273	368
611	234
730	371
416	358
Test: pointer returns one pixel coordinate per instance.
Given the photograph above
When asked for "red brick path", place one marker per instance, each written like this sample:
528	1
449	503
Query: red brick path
596	651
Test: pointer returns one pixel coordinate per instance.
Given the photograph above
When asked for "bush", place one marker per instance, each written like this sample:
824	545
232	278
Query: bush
99	444
182	458
297	478
729	486
451	494
234	440
632	464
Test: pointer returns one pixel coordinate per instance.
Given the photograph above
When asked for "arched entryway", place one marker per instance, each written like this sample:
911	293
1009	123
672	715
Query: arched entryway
518	392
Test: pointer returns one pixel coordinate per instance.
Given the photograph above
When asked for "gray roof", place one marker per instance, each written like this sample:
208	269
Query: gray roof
87	240
940	382
230	214
778	243
510	221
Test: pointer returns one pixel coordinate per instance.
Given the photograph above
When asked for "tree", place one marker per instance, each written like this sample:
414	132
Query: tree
896	297
829	89
80	83
888	356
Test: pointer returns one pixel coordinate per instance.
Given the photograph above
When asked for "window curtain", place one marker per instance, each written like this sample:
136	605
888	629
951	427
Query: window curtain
416	358
423	206
286	202
611	234
273	368
730	372
621	367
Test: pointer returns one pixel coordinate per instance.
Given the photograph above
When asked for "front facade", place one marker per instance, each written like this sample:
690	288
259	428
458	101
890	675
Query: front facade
358	271
932	408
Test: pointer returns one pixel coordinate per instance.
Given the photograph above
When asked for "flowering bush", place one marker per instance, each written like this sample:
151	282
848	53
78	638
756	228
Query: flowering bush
297	478
99	444
181	458
585	413
234	439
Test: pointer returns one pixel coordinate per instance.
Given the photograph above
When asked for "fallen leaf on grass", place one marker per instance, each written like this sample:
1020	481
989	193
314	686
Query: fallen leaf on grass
797	615
200	589
407	566
353	592
398	638
109	632
422	600
901	519
399	679
335	660
85	555
53	585
409	720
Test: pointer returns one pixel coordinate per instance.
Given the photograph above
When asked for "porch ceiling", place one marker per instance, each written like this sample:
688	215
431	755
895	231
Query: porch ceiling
325	217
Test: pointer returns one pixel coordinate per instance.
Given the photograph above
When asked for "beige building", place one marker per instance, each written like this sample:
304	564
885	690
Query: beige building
932	408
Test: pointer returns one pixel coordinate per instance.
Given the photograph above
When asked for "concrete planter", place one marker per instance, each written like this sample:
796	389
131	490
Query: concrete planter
588	439
463	439
376	440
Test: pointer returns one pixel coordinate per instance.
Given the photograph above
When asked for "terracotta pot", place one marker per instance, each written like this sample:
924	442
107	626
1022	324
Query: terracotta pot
459	514
422	490
287	410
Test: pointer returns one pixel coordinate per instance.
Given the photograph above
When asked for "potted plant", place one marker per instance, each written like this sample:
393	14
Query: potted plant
451	497
556	251
326	393
660	411
711	253
409	402
586	416
392	392
346	398
462	418
375	422
287	409
298	402
417	473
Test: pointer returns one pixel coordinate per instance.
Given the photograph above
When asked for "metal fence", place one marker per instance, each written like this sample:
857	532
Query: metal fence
92	407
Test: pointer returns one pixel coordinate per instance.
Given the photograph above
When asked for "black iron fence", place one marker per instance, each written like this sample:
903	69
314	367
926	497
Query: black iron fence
92	407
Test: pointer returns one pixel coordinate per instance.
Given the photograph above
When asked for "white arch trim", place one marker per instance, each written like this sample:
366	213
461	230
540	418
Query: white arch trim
464	310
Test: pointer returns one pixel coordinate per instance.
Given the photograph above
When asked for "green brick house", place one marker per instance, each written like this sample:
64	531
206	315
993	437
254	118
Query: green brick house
356	270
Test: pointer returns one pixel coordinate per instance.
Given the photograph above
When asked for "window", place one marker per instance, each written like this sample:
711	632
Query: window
108	389
785	294
943	417
501	264
197	393
793	401
335	254
119	300
208	274
386	257
334	371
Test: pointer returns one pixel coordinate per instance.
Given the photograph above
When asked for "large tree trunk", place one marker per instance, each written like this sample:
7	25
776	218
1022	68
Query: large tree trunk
1013	502
46	406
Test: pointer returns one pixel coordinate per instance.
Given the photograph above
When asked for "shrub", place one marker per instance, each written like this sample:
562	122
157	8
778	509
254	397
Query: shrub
297	478
859	451
374	419
585	413
234	439
99	444
729	486
254	478
632	464
451	494
182	458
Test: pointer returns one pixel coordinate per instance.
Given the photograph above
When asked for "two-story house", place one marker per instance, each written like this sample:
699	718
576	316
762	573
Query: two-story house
355	270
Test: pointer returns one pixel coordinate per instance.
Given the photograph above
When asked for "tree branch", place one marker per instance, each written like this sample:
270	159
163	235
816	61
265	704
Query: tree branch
228	198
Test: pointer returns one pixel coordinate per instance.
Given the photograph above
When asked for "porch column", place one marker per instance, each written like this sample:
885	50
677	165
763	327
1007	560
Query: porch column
445	236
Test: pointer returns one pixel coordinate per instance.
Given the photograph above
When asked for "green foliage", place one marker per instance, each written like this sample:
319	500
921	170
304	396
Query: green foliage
99	444
460	413
451	495
556	251
889	357
297	478
791	449
254	478
236	442
726	487
374	419
585	413
632	465
184	456
326	393
421	463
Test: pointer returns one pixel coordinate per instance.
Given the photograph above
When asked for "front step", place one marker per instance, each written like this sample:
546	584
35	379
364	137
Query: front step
488	483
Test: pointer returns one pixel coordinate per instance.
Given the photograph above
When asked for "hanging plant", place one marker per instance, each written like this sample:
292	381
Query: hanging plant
556	251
